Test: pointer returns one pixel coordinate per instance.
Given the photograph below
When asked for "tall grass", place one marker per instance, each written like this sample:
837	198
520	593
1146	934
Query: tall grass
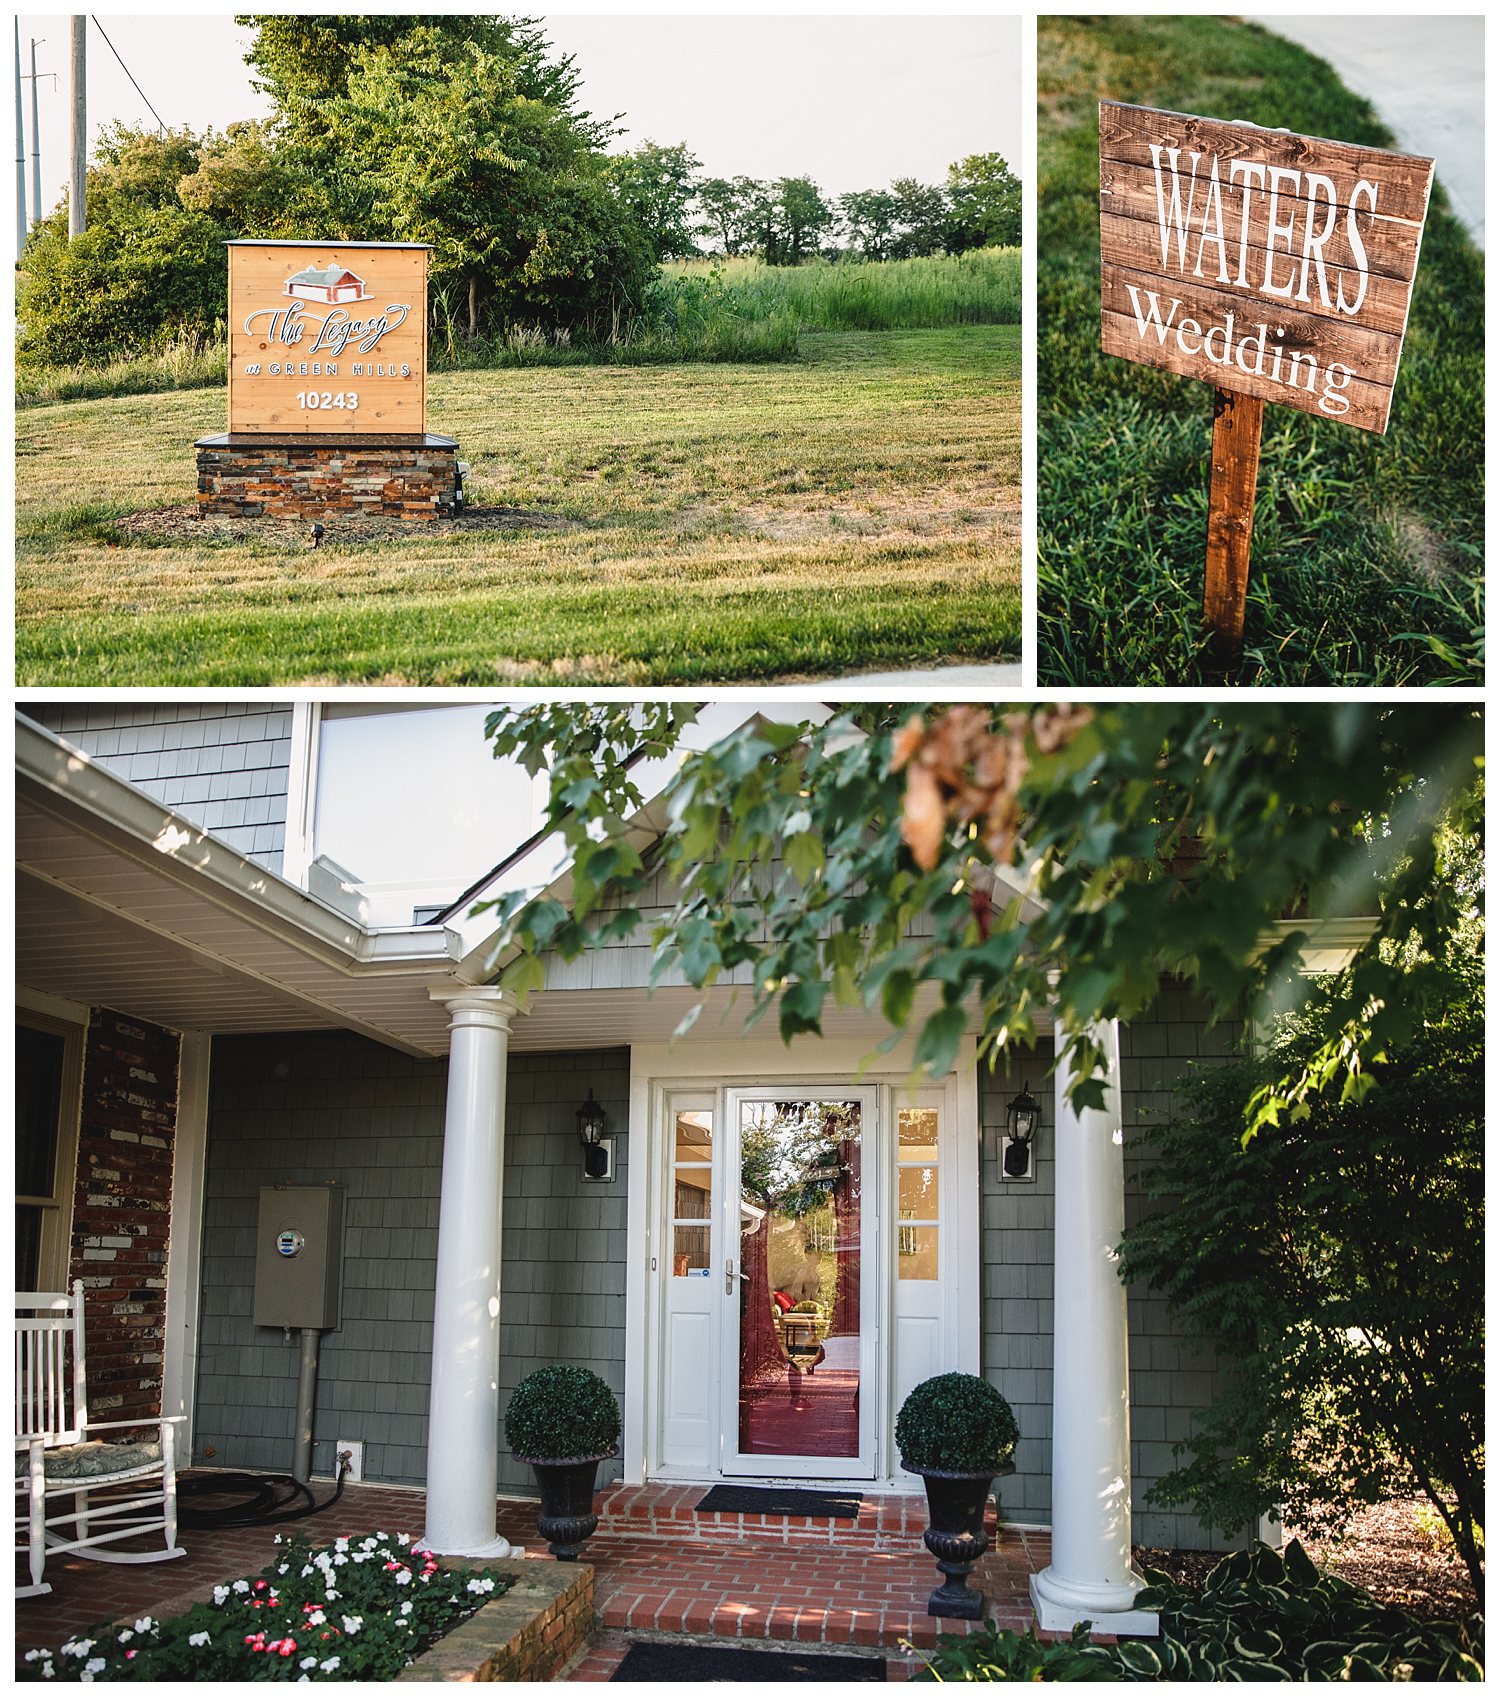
982	287
188	362
711	311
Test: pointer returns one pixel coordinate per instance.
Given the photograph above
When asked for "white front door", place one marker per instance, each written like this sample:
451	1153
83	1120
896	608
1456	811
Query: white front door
814	1254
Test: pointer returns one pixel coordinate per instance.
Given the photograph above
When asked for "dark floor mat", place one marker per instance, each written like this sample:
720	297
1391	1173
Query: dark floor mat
762	1499
653	1660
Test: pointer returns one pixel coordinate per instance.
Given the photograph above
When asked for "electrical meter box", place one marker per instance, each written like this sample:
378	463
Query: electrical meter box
299	1249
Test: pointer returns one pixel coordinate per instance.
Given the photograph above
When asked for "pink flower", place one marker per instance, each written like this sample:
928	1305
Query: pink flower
288	1647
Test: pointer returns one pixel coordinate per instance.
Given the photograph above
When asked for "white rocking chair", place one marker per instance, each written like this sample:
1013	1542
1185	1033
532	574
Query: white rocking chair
60	1460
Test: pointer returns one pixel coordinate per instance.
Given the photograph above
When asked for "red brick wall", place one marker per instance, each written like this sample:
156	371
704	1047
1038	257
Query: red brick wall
122	1209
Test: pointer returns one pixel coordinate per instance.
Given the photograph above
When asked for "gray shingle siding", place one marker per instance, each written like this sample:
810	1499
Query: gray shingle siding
314	1107
223	765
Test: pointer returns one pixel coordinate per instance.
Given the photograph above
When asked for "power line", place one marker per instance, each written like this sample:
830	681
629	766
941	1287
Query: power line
126	69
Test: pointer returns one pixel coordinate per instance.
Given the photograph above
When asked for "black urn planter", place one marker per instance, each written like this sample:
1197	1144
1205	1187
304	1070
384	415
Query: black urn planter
956	1536
567	1519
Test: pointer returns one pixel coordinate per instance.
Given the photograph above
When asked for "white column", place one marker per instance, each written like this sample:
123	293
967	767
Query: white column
1090	1576
463	1416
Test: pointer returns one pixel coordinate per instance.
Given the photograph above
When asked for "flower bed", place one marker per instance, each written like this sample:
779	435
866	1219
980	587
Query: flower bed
359	1608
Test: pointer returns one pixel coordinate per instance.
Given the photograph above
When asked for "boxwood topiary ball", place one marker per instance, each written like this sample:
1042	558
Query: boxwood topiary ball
561	1413
956	1423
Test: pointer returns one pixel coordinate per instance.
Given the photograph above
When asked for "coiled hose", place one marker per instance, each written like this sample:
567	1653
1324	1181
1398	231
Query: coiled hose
210	1500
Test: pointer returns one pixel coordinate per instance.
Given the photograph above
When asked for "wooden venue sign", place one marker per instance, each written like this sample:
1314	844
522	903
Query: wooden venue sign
1277	267
327	338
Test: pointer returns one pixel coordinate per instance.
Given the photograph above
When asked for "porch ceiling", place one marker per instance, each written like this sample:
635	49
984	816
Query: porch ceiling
122	903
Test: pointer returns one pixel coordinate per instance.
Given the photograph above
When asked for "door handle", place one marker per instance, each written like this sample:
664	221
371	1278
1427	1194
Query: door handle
729	1278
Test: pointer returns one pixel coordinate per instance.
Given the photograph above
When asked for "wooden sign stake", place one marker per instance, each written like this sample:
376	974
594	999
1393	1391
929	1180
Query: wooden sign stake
1231	513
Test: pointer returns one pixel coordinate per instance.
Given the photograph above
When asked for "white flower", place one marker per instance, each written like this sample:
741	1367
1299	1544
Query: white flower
406	1607
341	1543
352	1623
221	1595
316	1617
480	1586
94	1665
36	1655
240	1585
126	1636
48	1671
284	1568
329	1665
341	1561
144	1624
73	1647
404	1577
308	1662
403	1538
198	1640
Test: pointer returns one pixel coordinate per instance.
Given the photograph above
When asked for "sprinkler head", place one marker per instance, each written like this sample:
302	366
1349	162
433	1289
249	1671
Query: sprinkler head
317	534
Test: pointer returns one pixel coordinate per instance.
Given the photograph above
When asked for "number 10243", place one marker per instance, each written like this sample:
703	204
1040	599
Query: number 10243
317	400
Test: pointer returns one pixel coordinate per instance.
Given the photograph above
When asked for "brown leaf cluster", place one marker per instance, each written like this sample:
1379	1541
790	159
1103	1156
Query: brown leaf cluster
961	768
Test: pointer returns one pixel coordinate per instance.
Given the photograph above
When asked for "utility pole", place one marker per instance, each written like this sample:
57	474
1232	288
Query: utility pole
79	175
20	153
36	140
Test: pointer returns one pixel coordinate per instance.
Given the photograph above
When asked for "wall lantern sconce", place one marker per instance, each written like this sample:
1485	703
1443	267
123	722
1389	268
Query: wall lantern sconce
1023	1118
598	1150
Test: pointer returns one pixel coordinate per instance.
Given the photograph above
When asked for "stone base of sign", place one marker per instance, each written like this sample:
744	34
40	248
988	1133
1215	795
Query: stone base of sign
412	477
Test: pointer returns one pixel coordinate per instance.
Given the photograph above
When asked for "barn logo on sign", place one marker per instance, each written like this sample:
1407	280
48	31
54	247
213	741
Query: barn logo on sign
1261	261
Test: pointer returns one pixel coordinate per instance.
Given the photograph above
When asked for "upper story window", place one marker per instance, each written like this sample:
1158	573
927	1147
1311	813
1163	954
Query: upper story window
411	803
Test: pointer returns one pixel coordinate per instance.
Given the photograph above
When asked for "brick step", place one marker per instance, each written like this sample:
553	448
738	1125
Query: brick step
670	1512
834	1623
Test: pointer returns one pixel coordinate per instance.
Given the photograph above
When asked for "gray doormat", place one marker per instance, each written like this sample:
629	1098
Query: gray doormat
768	1499
650	1659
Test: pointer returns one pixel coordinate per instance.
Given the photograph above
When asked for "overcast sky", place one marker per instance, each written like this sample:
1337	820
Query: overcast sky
850	101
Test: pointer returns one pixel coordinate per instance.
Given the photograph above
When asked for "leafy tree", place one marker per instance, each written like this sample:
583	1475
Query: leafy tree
462	133
921	219
721	213
246	184
146	269
984	204
869	218
1337	1263
803	219
657	186
1061	860
304	61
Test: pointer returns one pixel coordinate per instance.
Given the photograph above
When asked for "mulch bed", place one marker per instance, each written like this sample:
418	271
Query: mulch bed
1384	1550
184	524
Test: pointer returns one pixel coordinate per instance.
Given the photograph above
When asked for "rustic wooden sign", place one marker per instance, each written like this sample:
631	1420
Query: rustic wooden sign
1277	267
327	338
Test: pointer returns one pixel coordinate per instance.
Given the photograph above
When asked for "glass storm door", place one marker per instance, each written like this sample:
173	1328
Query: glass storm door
799	1292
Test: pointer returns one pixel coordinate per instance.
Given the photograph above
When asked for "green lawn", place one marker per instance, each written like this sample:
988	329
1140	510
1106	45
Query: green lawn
1367	563
860	507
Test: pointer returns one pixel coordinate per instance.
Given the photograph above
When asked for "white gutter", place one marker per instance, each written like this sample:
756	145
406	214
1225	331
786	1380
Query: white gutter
81	793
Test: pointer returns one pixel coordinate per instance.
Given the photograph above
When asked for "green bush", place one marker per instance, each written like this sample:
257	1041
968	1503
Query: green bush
956	1423
1261	1615
559	1413
994	1653
362	1607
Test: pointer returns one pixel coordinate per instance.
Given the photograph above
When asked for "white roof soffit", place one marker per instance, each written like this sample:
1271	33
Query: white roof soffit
284	949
